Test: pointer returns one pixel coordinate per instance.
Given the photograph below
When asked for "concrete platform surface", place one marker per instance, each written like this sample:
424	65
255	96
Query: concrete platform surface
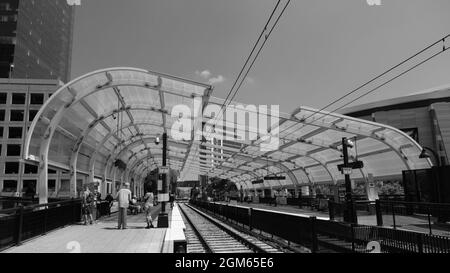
102	237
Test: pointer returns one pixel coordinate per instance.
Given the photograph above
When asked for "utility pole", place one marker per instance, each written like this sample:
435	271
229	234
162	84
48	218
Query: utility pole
349	215
163	218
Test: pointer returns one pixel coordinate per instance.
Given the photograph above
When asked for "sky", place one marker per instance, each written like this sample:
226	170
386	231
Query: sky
320	50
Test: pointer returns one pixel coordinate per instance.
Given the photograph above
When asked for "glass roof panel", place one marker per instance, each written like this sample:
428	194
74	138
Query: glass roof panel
141	96
320	174
329	137
301	176
386	152
384	164
300	148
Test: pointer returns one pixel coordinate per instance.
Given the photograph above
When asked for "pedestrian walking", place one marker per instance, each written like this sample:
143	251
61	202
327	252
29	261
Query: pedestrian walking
109	198
171	199
88	201
148	206
124	198
95	206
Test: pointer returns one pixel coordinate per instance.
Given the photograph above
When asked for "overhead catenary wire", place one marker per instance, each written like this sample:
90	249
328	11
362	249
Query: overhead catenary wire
251	53
323	115
266	37
442	40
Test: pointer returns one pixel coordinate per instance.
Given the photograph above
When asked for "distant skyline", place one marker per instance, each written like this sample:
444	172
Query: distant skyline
319	51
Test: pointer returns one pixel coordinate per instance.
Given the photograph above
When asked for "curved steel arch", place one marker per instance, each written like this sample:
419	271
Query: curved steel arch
77	91
56	119
105	139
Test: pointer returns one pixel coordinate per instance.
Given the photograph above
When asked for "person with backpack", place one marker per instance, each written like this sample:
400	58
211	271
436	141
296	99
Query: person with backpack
88	201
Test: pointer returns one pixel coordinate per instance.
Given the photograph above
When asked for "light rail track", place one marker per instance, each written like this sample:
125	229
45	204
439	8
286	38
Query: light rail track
208	235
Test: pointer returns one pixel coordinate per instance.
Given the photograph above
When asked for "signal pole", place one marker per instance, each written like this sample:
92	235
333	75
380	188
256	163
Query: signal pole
349	215
163	218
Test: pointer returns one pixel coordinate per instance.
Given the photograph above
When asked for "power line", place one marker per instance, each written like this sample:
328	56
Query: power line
250	56
378	77
260	49
392	79
253	50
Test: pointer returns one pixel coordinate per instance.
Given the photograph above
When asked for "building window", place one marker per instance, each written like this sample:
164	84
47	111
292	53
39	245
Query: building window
1	131
9	185
37	99
2	115
5	6
11	167
50	171
32	114
15	132
51	184
65	185
13	150
17	115
3	97
30	169
27	184
18	98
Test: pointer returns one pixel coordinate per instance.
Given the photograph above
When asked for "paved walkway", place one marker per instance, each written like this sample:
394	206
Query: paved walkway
102	237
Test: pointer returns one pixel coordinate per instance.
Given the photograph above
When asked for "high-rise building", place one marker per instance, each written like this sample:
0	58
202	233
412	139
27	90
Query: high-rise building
20	101
36	39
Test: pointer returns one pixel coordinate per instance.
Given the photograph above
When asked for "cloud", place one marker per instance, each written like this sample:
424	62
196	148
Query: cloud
216	80
250	80
204	74
207	75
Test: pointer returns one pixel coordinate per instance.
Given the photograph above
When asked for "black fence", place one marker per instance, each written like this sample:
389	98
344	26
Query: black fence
317	234
304	201
268	200
23	223
418	213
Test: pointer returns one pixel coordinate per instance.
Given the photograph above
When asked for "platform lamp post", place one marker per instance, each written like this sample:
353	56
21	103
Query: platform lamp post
163	218
350	214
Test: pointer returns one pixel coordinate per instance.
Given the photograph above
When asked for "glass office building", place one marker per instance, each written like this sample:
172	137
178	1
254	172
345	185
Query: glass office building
36	39
20	101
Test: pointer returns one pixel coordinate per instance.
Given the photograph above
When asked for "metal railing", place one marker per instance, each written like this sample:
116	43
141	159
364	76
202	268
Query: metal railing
317	234
428	213
25	222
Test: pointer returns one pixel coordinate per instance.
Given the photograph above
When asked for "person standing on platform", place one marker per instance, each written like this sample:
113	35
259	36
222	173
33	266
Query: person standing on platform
148	206
95	212
171	199
124	198
109	198
88	200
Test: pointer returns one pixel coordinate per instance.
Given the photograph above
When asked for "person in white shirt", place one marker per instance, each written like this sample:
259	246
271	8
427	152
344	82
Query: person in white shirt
124	198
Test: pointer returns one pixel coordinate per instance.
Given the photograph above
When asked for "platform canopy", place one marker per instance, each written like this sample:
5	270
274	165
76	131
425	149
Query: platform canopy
114	115
310	148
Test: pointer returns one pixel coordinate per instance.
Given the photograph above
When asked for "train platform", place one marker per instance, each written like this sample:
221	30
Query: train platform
104	237
411	223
